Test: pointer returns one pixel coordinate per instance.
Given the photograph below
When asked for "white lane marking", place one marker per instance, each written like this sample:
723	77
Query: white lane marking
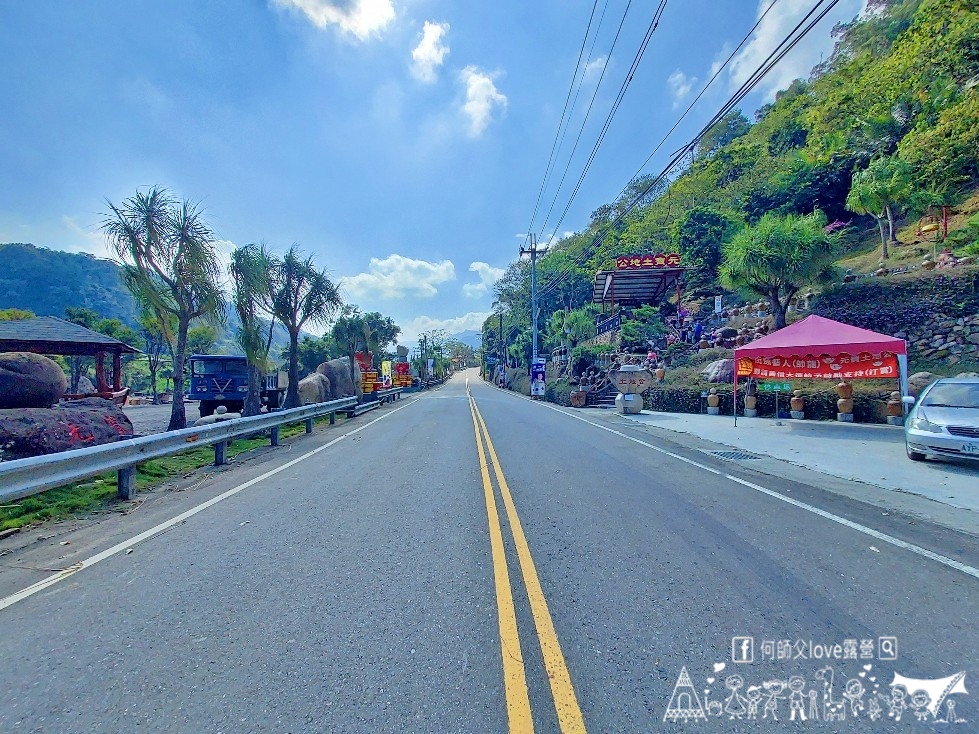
884	537
157	529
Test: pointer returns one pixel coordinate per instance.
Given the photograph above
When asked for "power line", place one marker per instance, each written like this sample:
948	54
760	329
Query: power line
615	107
560	125
591	105
786	45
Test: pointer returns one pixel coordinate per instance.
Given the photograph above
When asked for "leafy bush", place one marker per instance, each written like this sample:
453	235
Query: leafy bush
559	392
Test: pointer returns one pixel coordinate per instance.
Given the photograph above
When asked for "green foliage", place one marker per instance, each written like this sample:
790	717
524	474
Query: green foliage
778	256
698	235
170	264
15	314
313	351
882	187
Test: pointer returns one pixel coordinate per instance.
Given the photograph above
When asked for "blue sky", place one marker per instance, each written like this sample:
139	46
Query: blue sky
401	142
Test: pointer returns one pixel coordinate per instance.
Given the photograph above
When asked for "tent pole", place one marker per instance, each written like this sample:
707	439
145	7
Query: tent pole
735	389
902	371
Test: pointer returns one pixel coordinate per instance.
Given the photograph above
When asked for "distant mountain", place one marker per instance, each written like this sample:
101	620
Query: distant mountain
49	281
469	337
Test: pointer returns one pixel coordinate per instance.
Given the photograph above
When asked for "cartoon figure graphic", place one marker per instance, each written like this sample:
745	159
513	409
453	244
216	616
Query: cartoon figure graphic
774	688
951	718
813	707
797	703
833	710
854	694
896	705
874	711
734	704
754	696
919	702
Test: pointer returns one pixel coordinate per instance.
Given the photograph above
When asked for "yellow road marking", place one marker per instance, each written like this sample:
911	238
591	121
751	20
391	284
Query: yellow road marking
514	675
565	702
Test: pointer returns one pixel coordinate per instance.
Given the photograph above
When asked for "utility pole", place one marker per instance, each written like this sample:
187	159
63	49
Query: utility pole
533	252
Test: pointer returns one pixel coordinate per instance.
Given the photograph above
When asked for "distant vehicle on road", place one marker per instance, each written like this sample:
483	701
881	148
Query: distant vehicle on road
218	379
945	420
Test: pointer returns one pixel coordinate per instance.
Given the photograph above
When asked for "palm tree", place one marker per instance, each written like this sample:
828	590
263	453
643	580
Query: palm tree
778	256
250	268
299	295
349	332
877	190
169	263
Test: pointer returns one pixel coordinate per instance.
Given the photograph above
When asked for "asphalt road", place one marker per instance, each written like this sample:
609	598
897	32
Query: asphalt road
398	574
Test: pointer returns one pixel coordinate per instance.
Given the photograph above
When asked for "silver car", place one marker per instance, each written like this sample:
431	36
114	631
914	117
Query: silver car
945	420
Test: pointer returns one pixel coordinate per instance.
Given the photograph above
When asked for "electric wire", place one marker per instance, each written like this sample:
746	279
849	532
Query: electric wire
564	112
653	25
786	45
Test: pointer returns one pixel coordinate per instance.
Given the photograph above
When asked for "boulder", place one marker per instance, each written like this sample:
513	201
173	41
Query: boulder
30	381
919	381
720	370
85	386
314	388
338	373
73	424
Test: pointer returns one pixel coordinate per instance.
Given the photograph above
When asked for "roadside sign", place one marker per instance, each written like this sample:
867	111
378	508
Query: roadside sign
775	386
537	384
717	304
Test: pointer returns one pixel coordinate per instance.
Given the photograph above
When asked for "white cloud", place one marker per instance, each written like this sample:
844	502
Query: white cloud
86	239
680	85
420	324
428	55
483	99
777	24
397	276
488	275
593	69
361	18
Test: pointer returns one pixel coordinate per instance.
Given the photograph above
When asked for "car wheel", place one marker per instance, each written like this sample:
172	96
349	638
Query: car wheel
915	456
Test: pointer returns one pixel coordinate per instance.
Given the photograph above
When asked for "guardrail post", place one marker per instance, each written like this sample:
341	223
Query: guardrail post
333	417
274	436
126	482
220	453
309	425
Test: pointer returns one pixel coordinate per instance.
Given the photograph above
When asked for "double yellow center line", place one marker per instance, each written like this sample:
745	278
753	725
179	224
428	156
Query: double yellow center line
514	672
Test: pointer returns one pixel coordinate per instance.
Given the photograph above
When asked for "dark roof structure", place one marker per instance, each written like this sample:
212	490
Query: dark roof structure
646	286
51	335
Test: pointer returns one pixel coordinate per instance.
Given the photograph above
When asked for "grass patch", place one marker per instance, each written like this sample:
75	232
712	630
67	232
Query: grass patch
99	493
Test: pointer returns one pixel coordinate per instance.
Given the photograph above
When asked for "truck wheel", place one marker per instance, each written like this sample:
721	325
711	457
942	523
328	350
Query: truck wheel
274	400
207	408
235	406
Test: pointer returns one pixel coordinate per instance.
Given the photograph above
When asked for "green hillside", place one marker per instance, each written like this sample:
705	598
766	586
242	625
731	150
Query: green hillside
48	281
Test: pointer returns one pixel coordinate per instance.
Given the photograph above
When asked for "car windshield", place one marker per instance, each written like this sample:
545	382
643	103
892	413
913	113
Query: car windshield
953	395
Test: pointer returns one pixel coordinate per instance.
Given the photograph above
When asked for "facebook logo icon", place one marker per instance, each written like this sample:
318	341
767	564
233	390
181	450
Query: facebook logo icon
743	649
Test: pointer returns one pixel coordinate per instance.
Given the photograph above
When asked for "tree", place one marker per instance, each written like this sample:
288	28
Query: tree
300	295
170	263
156	345
726	130
77	364
314	351
877	190
201	339
778	256
699	234
380	331
348	333
15	314
251	295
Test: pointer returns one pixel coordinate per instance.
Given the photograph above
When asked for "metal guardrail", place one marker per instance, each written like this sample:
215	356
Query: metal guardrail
24	477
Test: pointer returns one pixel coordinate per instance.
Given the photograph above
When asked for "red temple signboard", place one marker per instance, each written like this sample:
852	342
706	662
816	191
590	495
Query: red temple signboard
645	262
824	366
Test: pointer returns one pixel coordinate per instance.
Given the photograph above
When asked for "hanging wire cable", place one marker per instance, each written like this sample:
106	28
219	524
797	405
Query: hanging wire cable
653	25
567	102
787	44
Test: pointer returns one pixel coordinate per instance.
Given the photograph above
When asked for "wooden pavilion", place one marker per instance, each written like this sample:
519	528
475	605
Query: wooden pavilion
53	336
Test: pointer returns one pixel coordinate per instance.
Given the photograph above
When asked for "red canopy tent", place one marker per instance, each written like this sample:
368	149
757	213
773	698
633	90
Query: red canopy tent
820	348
